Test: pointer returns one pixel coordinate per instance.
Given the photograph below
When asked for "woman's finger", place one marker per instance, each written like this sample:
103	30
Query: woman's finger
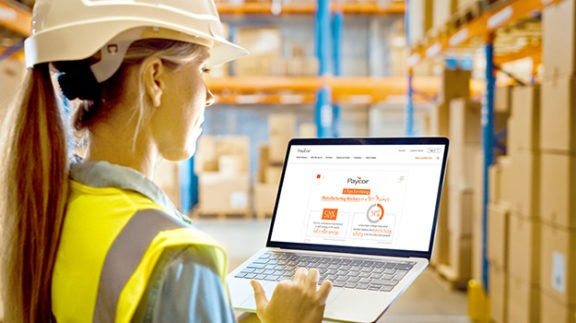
312	278
300	275
259	295
323	291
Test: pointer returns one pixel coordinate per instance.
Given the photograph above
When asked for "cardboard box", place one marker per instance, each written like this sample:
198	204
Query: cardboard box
494	183
557	130
223	193
211	148
273	175
460	263
498	222
524	123
455	84
558	274
477	210
507	185
524	238
525	174
421	19
167	177
231	164
460	213
278	147
503	99
264	199
465	122
523	301
553	311
281	128
263	162
282	124
498	294
440	120
462	174
558	190
443	11
558	53
441	251
307	130
265	46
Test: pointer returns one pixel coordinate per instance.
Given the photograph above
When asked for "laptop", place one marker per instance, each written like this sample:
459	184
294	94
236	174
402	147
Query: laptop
361	210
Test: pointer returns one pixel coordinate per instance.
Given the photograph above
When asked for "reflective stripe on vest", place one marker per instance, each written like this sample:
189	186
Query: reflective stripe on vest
124	256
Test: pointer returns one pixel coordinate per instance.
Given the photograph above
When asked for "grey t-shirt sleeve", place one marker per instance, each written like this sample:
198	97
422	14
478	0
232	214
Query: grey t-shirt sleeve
184	287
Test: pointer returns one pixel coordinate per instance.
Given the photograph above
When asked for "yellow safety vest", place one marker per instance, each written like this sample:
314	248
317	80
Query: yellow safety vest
111	242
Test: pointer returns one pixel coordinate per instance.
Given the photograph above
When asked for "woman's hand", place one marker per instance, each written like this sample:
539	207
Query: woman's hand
293	301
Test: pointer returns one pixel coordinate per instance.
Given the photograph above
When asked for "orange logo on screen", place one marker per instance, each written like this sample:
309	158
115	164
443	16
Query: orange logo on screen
329	214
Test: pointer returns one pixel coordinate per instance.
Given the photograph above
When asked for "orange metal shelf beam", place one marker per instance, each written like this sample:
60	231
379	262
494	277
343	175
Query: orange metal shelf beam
370	8
532	51
481	27
310	8
290	90
265	8
15	17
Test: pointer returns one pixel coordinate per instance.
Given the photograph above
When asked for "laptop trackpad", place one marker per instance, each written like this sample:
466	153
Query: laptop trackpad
269	289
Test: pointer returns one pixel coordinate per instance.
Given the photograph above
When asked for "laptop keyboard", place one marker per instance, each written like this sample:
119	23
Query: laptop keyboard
356	273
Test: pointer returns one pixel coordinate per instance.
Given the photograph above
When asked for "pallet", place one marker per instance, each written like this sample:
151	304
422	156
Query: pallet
263	215
448	274
221	215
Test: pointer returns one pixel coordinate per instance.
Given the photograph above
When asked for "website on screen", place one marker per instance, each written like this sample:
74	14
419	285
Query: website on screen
373	196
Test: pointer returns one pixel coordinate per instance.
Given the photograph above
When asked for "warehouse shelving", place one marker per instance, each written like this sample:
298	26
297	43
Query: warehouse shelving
482	29
310	8
290	90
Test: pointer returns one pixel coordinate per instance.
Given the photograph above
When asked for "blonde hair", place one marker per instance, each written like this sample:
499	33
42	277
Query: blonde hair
34	176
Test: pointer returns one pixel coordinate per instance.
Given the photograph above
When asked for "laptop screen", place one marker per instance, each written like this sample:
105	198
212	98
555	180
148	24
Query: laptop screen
377	194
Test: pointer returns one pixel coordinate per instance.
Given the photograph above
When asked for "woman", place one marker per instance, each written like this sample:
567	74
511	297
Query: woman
95	240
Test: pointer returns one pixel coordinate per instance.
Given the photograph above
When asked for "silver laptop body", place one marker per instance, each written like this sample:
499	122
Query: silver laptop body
361	210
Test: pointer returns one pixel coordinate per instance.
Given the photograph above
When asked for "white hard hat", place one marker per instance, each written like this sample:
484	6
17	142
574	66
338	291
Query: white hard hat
65	30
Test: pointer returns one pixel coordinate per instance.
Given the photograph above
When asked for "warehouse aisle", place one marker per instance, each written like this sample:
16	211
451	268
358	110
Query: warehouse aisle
428	300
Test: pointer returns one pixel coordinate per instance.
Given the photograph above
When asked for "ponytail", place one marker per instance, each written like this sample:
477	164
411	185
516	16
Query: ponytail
33	196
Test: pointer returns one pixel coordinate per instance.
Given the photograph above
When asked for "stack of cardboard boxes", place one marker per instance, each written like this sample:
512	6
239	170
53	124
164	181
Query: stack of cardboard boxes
465	145
221	164
513	219
558	164
532	213
282	128
266	55
448	254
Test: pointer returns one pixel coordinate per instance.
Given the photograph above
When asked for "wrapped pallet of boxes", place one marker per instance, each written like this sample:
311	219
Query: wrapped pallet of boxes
465	137
221	165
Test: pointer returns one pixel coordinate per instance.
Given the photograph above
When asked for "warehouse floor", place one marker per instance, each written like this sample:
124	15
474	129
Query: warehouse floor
428	300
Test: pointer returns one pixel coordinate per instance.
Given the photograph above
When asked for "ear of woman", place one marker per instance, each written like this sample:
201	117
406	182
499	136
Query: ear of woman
154	72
